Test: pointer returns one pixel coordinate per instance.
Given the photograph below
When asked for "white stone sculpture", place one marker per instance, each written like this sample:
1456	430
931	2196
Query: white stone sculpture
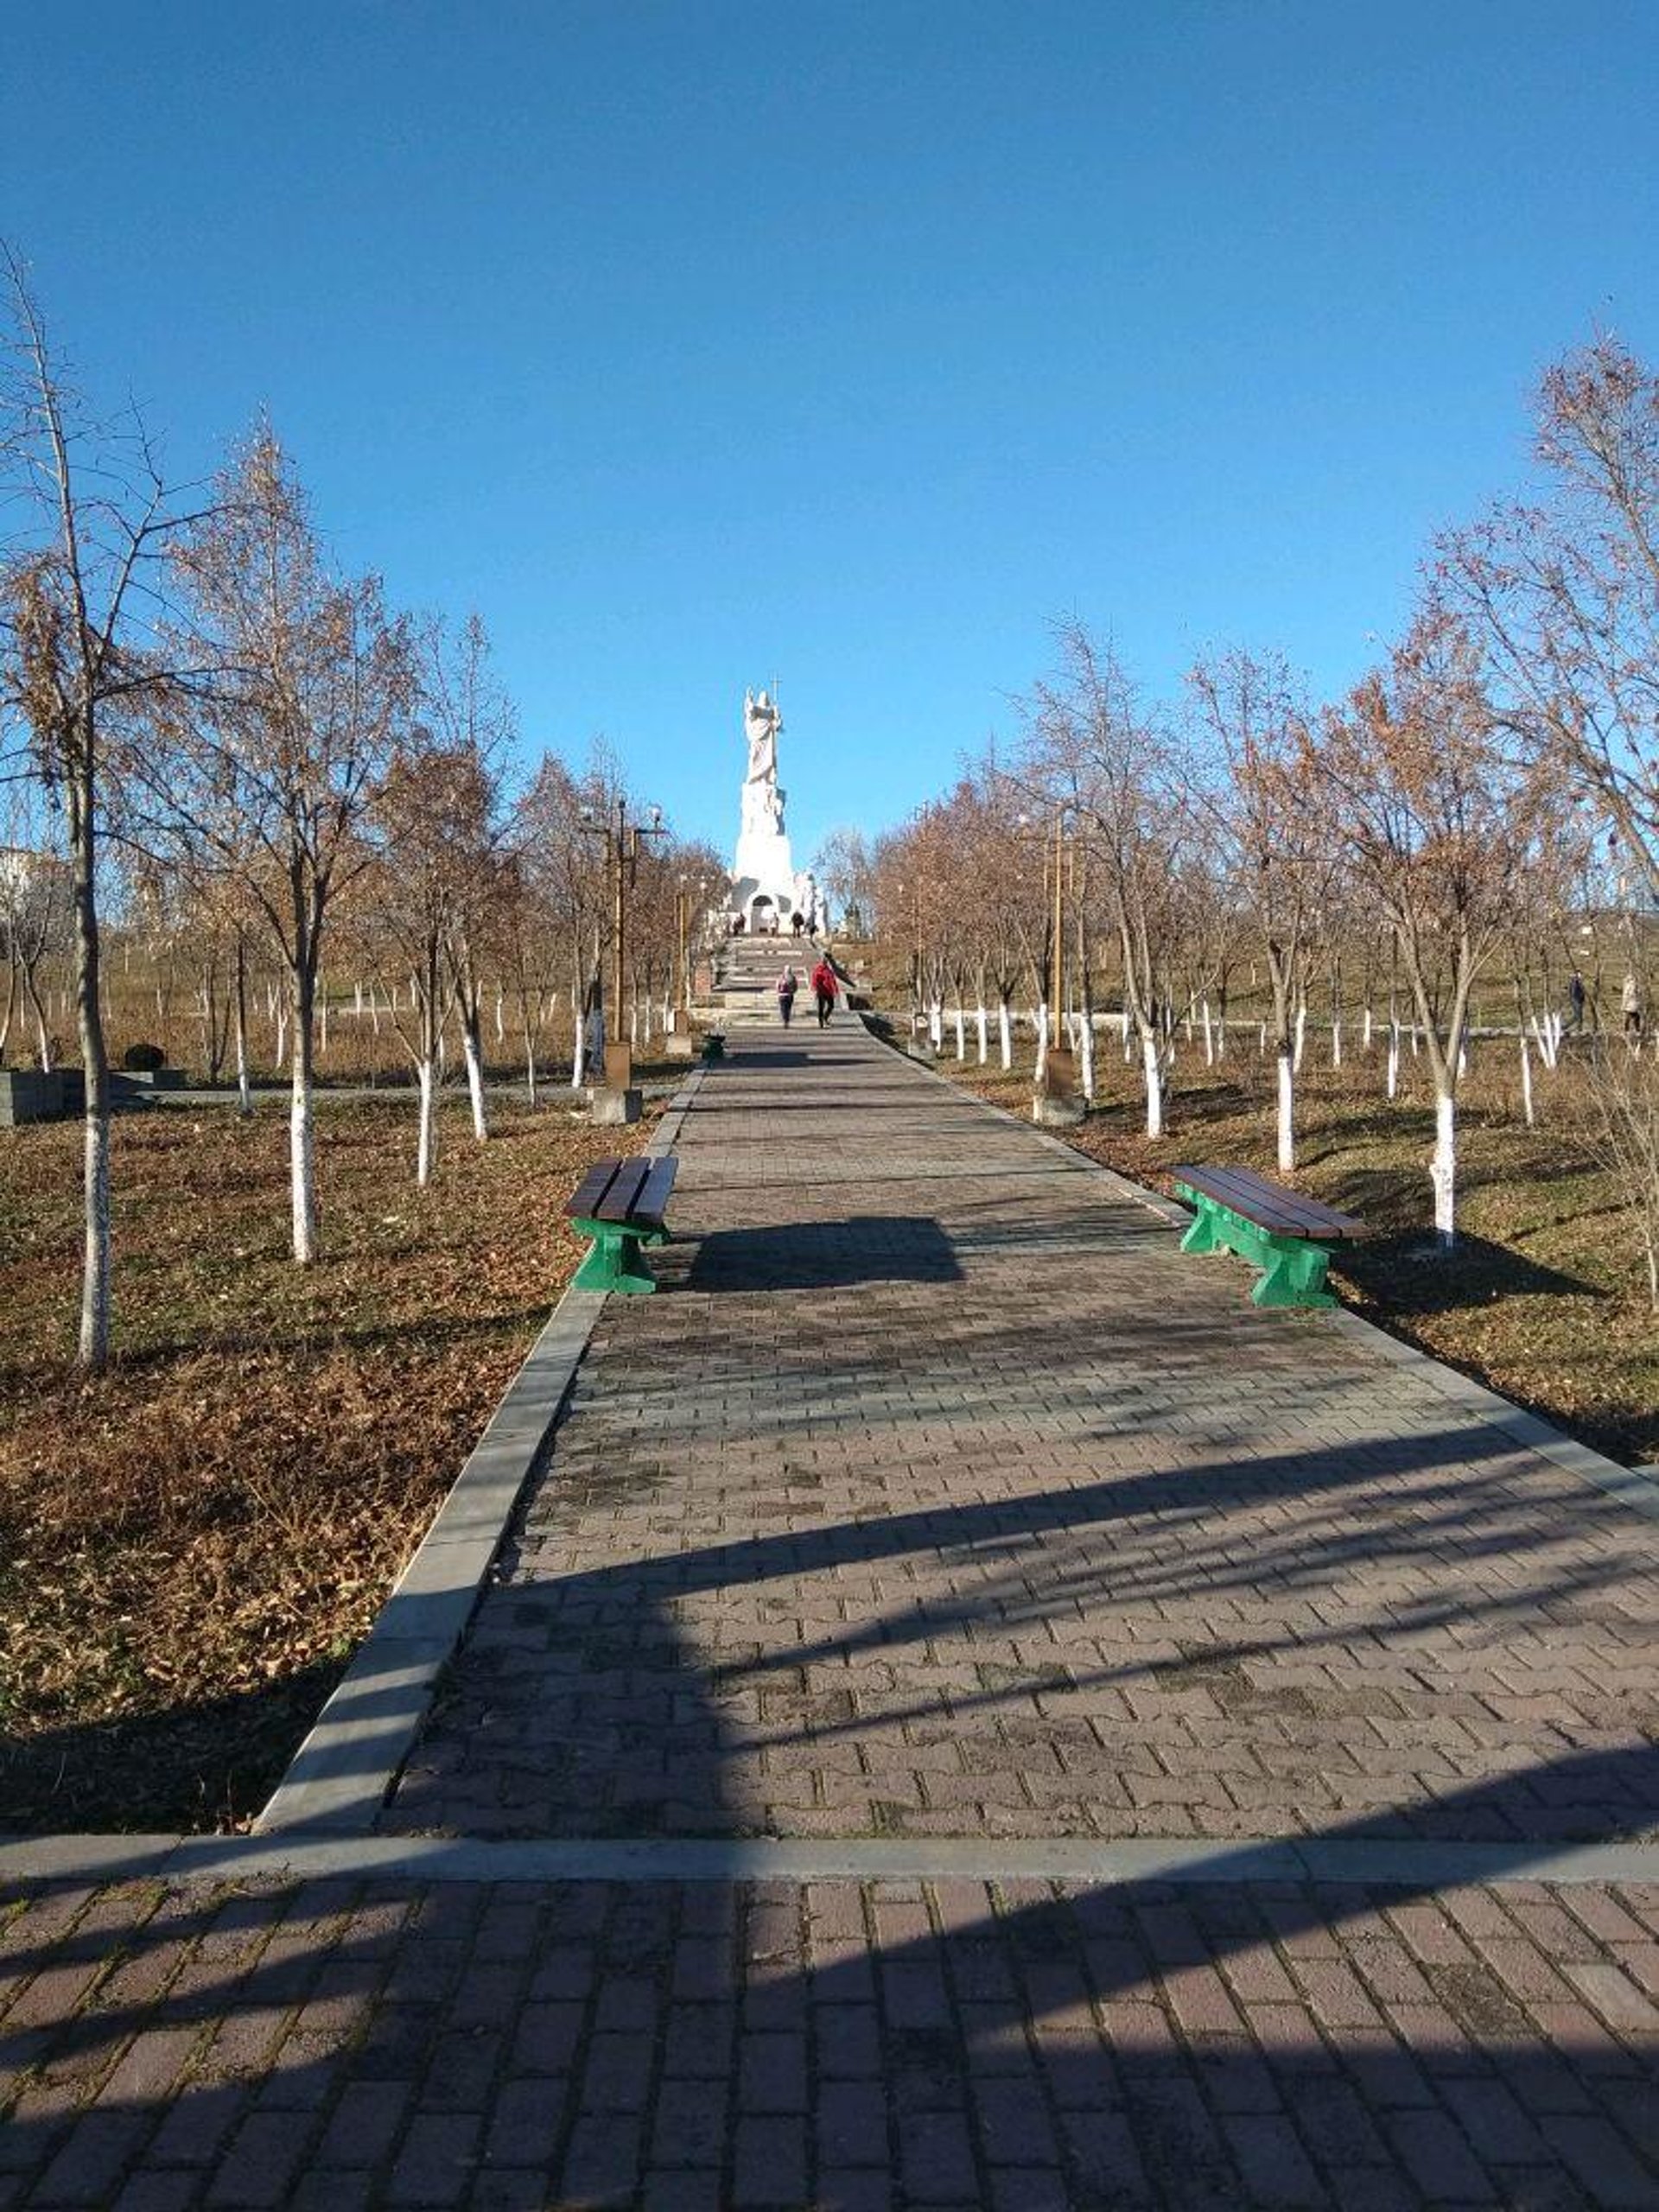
764	885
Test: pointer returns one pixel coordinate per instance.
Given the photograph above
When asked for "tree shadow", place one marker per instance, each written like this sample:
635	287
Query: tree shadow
668	1694
202	1764
825	1255
1223	2039
1409	1274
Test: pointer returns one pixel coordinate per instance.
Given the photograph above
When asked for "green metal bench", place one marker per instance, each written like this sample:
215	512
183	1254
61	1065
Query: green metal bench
1288	1237
621	1204
714	1047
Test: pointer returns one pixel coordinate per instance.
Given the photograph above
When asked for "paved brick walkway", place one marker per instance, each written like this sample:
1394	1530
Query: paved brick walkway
941	1499
943	1496
339	2046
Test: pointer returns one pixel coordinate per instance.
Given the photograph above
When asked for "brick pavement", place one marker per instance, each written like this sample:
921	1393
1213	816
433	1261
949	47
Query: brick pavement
942	1496
941	1499
852	2048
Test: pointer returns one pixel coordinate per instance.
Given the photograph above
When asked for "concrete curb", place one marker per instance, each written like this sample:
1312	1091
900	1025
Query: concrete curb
1385	1863
342	1773
1636	1487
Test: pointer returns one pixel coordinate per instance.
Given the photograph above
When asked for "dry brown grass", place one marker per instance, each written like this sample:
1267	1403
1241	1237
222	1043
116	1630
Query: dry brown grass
191	1545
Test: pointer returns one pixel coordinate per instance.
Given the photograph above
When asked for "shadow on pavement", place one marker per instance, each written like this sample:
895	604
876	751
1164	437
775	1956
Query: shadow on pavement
824	1255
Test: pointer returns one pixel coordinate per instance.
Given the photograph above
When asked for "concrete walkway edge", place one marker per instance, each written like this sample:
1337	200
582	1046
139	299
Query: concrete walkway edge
324	1853
340	1777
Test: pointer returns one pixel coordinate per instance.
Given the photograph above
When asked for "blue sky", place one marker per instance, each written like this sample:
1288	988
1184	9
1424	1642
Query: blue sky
697	345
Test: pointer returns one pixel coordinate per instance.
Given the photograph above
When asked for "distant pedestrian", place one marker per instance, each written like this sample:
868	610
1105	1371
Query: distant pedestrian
824	990
1630	999
788	984
1575	1001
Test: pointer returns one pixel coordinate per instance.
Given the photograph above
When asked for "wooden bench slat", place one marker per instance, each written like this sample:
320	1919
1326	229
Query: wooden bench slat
1266	1212
618	1202
652	1201
585	1201
1285	1213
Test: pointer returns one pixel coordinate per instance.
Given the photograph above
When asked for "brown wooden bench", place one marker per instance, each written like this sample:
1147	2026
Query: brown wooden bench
1288	1236
621	1205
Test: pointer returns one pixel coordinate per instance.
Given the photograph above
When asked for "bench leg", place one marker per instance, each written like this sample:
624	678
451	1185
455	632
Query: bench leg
1295	1274
1201	1233
613	1261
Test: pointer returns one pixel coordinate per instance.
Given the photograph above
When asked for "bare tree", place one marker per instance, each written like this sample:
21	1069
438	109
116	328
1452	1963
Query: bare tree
845	866
1094	751
1564	591
472	721
432	820
1280	859
1623	1131
75	659
1447	834
270	775
36	926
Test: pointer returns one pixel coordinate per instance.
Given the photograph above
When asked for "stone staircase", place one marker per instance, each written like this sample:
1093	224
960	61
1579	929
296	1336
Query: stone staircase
746	975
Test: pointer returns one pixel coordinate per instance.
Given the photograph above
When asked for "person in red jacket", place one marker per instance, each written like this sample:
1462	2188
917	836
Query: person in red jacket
823	989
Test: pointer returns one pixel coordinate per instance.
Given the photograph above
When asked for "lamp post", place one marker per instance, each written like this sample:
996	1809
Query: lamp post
1055	1097
622	839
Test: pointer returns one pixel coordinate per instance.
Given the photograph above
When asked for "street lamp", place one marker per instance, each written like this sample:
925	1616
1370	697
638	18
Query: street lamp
622	862
1055	1098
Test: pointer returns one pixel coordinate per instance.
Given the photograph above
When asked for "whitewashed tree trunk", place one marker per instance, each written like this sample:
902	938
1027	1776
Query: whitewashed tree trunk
1262	1040
1153	1075
243	1088
981	1036
1086	1039
1443	1167
1393	1080
1527	1113
579	1051
1302	1032
426	1149
301	1144
1209	1033
281	1035
1005	1036
322	1023
935	1024
1286	1113
1042	1038
474	1081
962	1033
500	1018
1365	1031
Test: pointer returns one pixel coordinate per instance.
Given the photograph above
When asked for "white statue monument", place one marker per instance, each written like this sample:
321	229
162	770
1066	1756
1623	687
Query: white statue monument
766	893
